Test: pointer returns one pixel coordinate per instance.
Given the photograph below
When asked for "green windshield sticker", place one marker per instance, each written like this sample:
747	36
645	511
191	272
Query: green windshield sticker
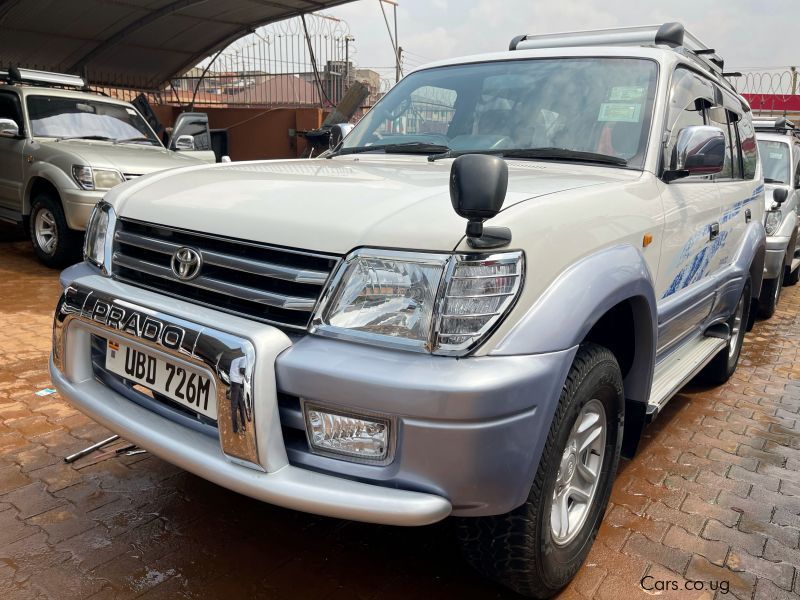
626	94
620	112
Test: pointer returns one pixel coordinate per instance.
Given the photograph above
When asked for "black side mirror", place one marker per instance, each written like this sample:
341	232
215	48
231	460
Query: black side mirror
779	195
338	133
478	184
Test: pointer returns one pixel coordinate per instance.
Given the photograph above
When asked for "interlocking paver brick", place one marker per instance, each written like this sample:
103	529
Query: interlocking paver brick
752	542
715	552
781	574
741	585
697	506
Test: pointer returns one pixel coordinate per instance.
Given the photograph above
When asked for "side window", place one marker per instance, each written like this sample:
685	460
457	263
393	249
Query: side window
10	108
689	96
736	147
718	117
747	135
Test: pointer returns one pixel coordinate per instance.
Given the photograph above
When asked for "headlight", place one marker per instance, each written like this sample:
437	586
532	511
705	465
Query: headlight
441	303
96	179
773	220
97	241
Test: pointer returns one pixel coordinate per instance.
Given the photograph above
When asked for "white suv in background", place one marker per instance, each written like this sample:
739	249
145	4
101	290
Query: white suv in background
62	149
779	147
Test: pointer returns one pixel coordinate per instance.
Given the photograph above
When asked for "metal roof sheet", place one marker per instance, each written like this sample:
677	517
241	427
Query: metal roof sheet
132	43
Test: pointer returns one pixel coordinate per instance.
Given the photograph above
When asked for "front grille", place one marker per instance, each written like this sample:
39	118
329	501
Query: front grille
279	286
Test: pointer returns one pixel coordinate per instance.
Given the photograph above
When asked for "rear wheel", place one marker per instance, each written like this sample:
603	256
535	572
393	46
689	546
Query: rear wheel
770	296
792	277
54	243
722	366
537	548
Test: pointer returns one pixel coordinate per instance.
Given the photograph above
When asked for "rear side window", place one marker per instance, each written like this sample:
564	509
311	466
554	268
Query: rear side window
749	146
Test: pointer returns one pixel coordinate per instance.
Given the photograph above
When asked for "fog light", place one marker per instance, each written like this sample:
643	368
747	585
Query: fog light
347	435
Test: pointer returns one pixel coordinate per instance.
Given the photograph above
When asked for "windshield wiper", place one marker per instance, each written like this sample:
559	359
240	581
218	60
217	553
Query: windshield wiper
405	148
771	180
541	154
135	140
564	154
101	138
415	148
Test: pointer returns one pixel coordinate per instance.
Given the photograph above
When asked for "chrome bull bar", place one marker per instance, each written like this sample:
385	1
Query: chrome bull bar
228	359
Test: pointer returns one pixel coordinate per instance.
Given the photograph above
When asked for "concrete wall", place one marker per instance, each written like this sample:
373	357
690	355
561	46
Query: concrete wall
256	133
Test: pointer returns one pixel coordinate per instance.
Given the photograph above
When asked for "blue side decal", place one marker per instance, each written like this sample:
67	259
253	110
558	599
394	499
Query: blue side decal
696	267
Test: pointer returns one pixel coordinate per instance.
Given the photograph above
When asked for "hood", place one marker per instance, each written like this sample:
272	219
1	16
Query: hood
334	205
134	159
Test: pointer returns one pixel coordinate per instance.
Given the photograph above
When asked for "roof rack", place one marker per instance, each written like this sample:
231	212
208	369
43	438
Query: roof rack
778	125
46	78
672	35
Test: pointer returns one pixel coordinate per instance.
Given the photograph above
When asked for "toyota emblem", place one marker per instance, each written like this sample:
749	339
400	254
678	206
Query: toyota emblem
186	263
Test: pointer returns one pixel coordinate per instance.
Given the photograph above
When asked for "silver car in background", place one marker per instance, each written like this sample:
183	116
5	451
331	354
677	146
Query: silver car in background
779	147
62	149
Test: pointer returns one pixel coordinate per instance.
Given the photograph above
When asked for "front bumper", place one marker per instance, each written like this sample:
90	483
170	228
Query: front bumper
776	256
469	432
78	206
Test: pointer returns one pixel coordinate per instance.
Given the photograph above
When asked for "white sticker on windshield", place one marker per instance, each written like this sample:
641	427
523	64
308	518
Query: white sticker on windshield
620	112
131	112
776	155
626	93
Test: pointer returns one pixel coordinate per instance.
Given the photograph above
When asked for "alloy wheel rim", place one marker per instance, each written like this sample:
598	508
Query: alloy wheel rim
579	473
45	231
736	329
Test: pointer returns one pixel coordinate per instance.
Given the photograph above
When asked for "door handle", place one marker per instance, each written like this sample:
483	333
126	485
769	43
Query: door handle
714	227
748	216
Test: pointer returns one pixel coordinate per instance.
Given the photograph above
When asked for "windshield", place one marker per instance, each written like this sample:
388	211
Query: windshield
59	117
775	161
589	105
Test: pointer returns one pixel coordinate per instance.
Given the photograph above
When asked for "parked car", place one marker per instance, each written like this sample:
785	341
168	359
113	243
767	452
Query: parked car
471	307
779	147
62	149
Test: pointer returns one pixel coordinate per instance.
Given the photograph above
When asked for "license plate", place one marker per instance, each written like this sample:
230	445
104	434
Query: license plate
185	386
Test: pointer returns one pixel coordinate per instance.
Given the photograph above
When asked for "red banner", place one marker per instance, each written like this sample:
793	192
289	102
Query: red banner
774	102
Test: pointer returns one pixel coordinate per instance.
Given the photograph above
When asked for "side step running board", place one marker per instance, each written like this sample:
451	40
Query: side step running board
678	368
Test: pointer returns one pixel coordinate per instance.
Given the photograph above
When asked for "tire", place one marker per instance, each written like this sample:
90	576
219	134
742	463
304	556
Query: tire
55	244
792	277
770	296
520	549
723	365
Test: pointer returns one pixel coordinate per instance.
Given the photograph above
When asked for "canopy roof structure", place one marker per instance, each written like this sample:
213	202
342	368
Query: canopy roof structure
132	43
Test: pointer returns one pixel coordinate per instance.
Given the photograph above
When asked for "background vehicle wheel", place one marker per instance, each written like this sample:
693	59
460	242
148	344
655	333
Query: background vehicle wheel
722	366
770	295
537	548
792	277
54	242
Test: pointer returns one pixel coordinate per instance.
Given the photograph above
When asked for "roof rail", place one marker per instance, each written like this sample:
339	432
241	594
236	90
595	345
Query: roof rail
673	35
46	78
777	125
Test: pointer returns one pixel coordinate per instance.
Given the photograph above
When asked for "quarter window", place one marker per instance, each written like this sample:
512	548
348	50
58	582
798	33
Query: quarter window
749	146
689	96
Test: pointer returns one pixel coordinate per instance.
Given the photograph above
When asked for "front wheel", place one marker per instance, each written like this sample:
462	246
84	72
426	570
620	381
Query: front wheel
54	243
538	548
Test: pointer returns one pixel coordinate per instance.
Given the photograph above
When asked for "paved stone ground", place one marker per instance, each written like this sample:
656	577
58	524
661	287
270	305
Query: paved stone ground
713	496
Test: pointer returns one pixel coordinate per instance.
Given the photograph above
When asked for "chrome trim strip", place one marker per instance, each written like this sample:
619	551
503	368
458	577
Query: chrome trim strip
216	285
219	259
230	359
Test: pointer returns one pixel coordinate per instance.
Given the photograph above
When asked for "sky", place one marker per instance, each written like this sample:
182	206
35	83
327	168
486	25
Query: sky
752	33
